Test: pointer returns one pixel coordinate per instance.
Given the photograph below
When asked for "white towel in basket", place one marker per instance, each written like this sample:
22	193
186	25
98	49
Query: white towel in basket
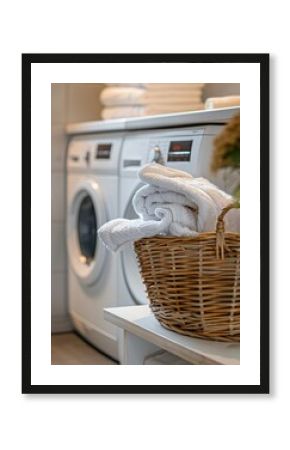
167	186
172	203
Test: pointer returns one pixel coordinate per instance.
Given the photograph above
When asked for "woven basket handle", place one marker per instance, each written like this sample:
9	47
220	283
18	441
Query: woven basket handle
220	230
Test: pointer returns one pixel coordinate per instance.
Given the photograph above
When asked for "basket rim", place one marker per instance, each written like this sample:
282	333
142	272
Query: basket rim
200	236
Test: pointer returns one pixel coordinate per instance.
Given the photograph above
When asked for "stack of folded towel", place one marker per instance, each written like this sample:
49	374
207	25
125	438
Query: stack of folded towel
131	100
172	202
222	102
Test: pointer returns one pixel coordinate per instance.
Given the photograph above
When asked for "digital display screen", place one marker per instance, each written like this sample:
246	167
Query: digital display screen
103	151
179	151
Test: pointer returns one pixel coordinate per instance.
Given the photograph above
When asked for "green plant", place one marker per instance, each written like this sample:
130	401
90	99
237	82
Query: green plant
227	150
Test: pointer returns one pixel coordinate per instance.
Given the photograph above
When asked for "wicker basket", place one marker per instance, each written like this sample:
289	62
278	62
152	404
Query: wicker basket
193	284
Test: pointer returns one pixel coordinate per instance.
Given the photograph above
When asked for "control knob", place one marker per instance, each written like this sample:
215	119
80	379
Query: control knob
88	157
157	155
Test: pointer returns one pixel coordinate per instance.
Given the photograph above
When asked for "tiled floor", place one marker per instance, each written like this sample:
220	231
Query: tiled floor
69	349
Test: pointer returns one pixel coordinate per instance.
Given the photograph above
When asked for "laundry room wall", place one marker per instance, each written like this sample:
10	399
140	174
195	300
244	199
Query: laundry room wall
220	90
69	103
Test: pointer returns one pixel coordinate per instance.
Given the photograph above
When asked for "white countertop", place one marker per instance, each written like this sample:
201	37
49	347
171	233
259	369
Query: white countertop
209	116
140	321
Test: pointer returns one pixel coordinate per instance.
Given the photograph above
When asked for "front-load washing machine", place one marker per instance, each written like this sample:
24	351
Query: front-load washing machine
189	149
92	200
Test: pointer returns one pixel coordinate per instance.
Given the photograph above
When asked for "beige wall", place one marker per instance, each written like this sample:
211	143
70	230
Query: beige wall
69	103
83	102
220	89
60	320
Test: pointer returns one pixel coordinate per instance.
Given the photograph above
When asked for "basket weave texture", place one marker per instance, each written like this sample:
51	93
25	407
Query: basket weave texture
193	283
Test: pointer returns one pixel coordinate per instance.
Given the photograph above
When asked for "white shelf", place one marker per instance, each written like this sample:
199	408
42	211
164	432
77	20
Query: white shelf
140	322
221	115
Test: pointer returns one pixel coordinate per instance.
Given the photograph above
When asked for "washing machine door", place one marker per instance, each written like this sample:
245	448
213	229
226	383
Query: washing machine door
86	213
130	269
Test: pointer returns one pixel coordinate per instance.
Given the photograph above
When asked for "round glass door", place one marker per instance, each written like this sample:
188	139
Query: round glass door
86	213
87	230
130	268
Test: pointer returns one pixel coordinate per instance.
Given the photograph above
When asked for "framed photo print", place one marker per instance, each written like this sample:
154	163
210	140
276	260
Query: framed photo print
145	223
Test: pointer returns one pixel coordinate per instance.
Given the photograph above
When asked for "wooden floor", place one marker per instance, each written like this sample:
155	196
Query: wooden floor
70	349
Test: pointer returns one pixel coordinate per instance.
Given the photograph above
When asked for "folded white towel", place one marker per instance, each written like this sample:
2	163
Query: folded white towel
116	112
127	96
123	96
172	108
174	203
178	86
169	99
160	86
222	102
126	84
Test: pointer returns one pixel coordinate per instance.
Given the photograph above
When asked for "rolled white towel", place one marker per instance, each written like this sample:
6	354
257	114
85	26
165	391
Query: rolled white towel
119	232
222	102
174	203
196	193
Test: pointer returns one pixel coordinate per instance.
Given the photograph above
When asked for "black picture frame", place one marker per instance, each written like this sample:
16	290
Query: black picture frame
263	61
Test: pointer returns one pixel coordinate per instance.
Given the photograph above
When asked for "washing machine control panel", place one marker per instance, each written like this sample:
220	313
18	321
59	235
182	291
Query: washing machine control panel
176	149
99	153
189	149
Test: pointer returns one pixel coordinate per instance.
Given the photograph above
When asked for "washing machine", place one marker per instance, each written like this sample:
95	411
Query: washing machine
92	200
188	149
